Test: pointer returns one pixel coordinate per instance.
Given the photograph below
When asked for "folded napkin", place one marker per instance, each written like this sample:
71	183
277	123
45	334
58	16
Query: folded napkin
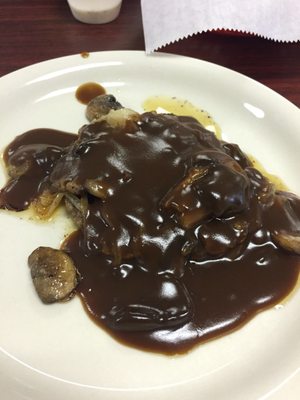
166	21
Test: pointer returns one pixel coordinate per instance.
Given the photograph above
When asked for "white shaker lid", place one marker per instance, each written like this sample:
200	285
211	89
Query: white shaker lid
95	11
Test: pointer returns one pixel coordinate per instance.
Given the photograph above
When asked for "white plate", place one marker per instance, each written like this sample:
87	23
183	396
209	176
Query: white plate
56	352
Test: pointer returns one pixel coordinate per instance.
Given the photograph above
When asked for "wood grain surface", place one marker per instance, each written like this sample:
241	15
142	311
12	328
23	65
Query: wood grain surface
37	30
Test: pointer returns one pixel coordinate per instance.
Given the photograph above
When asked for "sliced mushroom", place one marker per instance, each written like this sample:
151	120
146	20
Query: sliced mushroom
53	273
100	106
289	241
97	188
76	208
182	199
194	174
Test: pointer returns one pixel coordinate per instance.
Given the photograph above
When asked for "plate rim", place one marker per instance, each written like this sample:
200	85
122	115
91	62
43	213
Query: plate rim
142	54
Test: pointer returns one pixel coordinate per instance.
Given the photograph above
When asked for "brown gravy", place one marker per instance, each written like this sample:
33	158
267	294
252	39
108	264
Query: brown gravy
88	91
85	54
179	249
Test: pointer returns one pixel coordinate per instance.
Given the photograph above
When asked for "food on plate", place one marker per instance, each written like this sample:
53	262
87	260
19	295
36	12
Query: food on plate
178	237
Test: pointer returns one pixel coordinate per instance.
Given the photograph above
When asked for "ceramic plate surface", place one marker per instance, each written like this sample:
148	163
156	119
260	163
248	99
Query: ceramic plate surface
56	352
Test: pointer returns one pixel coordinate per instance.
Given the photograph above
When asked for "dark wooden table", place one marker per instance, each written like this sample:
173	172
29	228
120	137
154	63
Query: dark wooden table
37	30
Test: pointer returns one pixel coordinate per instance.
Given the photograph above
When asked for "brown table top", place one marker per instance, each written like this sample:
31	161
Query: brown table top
37	30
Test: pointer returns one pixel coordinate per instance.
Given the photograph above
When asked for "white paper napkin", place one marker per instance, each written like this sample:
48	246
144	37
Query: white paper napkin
166	21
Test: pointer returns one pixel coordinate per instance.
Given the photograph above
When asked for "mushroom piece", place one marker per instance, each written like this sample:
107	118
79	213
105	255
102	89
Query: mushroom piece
106	108
183	200
97	188
289	241
76	208
53	273
100	106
